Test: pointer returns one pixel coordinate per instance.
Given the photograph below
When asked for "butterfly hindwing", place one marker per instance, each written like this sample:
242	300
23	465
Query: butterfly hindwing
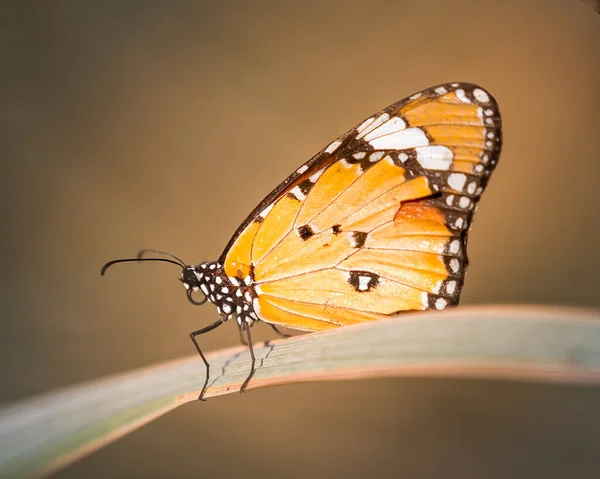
376	222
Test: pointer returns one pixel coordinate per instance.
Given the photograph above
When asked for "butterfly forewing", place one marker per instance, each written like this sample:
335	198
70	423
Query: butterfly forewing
376	222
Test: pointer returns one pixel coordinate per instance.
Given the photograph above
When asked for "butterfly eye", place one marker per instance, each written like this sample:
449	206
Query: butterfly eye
191	277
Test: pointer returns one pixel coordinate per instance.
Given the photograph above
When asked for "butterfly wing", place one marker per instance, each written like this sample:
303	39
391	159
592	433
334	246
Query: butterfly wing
376	223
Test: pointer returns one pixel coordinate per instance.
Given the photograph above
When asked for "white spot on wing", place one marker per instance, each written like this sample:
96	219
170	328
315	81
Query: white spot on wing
359	156
334	146
415	96
441	303
450	287
441	90
471	187
460	94
435	157
403	157
364	124
480	113
226	308
363	283
316	175
376	156
437	286
263	214
373	124
390	126
464	202
454	247
297	192
454	265
457	181
302	169
401	140
480	95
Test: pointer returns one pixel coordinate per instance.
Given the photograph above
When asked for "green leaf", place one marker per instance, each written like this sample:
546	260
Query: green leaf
41	435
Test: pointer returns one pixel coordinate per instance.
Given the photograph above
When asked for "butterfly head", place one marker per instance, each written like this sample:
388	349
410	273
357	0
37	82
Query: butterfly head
201	279
190	278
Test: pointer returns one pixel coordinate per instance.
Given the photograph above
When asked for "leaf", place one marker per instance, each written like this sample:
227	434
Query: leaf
44	434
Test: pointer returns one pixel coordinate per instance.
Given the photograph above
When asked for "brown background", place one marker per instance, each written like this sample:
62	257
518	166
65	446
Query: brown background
161	124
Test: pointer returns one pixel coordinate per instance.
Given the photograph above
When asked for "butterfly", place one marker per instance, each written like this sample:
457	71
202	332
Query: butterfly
374	224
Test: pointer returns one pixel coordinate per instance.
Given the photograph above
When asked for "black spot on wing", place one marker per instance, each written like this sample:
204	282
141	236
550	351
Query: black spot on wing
305	232
305	186
359	238
363	281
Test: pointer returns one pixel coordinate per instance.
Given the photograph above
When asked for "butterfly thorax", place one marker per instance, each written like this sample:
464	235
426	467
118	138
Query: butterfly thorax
231	296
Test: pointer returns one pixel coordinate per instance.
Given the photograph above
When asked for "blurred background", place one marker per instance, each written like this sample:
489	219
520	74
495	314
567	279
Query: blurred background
152	124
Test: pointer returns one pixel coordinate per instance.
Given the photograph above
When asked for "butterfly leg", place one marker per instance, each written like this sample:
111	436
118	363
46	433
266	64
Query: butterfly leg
246	329
279	333
193	335
242	338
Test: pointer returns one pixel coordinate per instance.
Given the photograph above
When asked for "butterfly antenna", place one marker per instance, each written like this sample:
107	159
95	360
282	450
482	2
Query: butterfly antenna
142	252
135	260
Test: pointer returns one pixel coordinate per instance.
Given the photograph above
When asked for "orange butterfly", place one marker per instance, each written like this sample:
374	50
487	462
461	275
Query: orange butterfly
374	224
